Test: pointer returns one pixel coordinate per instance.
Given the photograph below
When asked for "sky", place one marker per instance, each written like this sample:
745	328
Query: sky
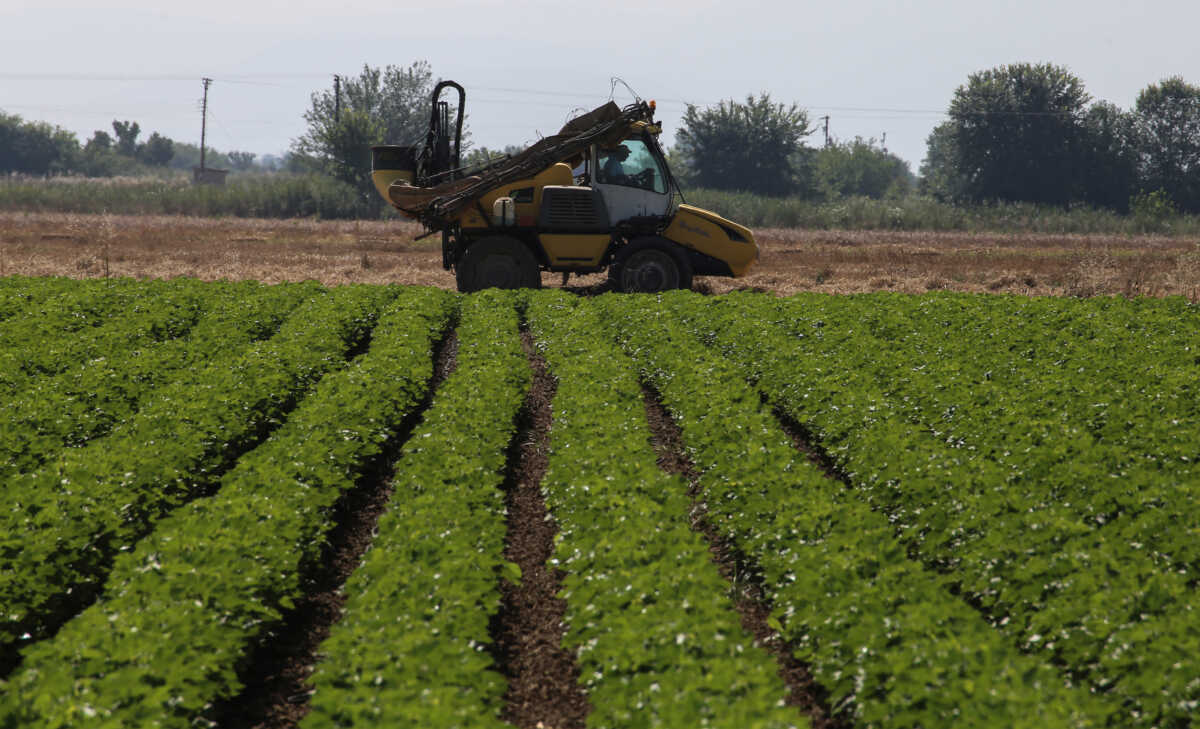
882	70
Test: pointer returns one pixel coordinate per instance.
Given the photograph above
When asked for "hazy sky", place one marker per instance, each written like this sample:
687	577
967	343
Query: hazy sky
874	67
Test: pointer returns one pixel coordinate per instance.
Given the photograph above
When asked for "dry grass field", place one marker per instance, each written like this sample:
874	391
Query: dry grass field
791	260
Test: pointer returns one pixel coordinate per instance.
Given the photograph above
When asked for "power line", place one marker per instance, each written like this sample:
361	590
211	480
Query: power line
254	79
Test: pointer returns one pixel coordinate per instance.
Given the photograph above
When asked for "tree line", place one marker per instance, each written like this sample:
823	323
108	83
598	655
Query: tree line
41	149
1031	133
1015	133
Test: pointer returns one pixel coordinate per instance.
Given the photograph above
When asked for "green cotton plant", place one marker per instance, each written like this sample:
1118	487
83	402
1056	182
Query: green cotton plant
1058	528
88	322
87	400
412	646
29	296
649	618
888	640
79	510
191	578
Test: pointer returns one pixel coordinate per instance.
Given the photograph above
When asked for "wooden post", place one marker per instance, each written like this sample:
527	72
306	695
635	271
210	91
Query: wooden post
204	121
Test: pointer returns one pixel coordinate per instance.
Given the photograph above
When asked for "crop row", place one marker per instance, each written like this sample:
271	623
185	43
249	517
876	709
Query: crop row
1006	535
87	400
22	294
63	523
1096	393
1061	587
649	618
92	322
222	570
411	648
877	629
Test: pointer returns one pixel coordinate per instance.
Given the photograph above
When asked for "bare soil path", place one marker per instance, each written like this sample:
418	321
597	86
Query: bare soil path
749	600
543	677
337	252
276	692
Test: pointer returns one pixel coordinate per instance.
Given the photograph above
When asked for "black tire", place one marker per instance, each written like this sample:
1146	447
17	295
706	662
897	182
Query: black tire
650	265
499	262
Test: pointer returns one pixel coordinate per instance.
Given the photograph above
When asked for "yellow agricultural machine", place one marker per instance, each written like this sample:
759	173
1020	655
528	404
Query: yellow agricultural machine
598	195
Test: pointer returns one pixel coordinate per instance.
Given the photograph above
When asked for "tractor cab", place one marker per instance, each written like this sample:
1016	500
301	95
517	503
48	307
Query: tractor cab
631	176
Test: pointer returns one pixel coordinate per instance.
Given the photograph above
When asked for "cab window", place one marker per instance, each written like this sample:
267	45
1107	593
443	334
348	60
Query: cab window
632	164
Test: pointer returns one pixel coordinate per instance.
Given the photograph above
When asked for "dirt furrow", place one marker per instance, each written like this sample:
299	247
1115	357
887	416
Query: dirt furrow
543	678
275	676
745	577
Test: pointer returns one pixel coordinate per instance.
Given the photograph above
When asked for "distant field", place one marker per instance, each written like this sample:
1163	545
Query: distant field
833	261
241	505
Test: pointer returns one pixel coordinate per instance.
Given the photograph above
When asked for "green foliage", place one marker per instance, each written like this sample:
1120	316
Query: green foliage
751	146
482	156
1010	539
178	580
80	326
157	151
1169	122
127	134
187	156
647	612
941	177
242	161
379	106
1012	446
1154	209
1019	132
860	168
927	213
64	523
248	196
35	148
412	647
153	341
881	623
1110	156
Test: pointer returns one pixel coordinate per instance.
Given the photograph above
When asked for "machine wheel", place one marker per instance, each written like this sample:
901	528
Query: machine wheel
650	265
499	262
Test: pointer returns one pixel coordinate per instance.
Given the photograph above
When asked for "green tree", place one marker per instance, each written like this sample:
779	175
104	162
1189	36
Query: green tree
1110	157
861	168
481	156
36	148
1169	123
940	175
1018	133
752	146
157	150
187	156
380	106
242	161
101	141
127	134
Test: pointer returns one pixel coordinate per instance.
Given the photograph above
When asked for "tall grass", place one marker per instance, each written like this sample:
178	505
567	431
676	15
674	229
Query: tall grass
263	196
922	213
313	196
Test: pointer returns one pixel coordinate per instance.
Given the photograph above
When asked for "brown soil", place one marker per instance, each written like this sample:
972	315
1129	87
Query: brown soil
749	599
276	692
543	678
791	261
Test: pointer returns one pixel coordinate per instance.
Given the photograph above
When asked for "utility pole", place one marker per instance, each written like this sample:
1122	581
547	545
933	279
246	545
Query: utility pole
204	120
826	118
337	98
